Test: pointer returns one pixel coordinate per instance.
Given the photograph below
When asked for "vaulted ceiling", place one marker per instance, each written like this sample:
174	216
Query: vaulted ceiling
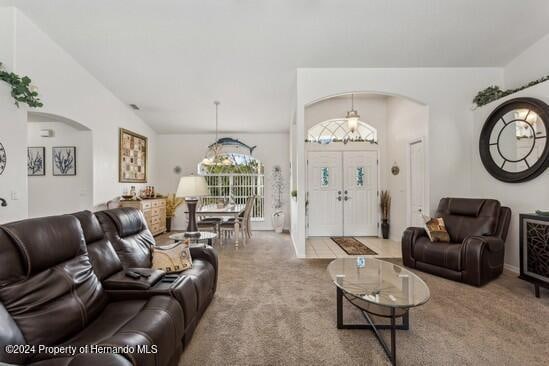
173	58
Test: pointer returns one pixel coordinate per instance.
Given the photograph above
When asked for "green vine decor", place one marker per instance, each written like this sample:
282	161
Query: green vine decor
21	89
492	93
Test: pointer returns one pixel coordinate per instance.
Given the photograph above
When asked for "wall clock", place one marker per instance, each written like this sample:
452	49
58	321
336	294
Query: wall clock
3	158
513	142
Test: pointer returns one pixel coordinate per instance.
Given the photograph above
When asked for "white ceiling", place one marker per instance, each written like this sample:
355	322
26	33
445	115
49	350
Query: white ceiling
173	58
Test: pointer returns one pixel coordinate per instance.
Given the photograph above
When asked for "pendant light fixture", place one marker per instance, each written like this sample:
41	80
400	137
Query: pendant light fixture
352	116
213	155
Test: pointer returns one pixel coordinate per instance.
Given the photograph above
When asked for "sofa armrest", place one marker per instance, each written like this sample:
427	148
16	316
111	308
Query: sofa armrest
409	237
492	243
482	258
207	253
120	281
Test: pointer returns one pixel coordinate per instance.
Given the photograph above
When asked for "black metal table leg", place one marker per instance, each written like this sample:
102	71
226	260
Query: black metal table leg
390	352
536	289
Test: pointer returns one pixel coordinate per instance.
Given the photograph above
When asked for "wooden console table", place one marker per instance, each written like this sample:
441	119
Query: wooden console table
154	210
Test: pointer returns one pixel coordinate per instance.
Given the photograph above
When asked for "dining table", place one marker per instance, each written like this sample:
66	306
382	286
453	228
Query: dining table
227	211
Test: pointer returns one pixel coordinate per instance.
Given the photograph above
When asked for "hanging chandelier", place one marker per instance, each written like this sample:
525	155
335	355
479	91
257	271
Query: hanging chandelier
352	116
213	155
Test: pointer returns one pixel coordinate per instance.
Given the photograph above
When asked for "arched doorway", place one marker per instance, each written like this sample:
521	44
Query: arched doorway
391	132
59	165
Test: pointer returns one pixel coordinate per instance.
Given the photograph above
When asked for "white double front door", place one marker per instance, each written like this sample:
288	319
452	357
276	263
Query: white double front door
343	194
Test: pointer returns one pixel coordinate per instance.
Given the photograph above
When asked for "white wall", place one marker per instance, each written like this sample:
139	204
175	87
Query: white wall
520	197
69	91
50	195
186	151
406	121
13	130
529	65
447	92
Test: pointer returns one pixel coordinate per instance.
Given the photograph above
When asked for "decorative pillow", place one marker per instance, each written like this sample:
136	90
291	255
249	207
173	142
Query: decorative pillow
172	258
436	230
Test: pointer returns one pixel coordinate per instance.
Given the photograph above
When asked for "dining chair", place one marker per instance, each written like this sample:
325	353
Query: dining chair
244	218
209	223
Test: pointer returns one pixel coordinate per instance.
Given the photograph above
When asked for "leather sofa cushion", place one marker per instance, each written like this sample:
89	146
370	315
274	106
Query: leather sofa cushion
465	206
57	288
128	221
447	255
466	217
47	241
155	321
104	259
132	244
90	226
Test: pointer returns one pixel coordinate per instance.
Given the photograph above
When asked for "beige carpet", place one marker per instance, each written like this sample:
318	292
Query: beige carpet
274	309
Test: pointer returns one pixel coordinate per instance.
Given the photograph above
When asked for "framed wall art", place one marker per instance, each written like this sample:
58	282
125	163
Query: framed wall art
64	160
132	157
36	161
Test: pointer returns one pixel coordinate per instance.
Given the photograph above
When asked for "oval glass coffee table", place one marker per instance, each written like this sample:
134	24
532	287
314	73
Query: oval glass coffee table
379	288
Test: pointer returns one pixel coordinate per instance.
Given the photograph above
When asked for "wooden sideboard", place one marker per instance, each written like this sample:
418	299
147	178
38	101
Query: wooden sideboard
154	210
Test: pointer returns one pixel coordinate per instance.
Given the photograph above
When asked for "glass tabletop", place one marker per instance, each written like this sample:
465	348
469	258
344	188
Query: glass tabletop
379	282
204	236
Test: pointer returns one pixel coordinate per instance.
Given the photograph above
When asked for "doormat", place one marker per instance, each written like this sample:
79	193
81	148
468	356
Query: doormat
352	246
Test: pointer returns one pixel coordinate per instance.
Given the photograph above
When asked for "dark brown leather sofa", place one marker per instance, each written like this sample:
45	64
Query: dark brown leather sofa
119	239
477	228
62	283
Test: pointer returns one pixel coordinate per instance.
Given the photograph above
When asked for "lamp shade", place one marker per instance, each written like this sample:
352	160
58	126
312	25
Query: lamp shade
192	186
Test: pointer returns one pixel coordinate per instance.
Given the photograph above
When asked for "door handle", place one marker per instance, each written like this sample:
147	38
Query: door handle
3	202
339	198
339	192
346	198
346	192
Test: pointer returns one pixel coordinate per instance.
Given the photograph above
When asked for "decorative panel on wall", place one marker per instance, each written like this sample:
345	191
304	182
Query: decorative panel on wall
534	249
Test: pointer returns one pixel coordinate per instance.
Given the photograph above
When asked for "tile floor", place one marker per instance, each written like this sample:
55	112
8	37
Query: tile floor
324	247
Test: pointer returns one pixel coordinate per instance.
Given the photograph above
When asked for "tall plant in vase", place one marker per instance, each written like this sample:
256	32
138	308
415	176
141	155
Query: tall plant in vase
385	206
172	203
278	189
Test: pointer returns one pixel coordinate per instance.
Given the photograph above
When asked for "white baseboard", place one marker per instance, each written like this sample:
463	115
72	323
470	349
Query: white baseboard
511	268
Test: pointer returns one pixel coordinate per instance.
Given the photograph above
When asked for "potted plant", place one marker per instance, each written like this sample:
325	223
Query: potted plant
278	187
172	202
385	205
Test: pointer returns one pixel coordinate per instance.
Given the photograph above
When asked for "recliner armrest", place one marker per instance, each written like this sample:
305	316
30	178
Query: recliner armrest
415	232
493	243
207	253
409	237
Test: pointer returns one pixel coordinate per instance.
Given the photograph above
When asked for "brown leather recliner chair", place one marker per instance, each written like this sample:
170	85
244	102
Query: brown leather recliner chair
127	230
50	295
477	228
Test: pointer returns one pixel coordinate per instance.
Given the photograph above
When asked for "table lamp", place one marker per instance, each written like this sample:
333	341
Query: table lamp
192	188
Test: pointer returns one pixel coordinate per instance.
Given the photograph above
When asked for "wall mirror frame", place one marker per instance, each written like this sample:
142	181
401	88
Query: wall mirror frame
513	142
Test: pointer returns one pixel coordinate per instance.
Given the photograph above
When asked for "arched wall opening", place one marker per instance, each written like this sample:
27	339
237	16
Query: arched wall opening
59	165
399	122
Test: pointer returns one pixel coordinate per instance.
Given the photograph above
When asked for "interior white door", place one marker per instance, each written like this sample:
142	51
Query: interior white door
325	194
417	182
360	214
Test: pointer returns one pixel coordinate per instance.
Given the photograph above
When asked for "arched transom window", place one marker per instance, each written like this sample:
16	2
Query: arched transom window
337	130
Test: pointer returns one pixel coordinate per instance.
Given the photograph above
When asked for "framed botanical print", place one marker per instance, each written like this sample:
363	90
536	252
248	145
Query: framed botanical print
132	157
36	161
64	160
